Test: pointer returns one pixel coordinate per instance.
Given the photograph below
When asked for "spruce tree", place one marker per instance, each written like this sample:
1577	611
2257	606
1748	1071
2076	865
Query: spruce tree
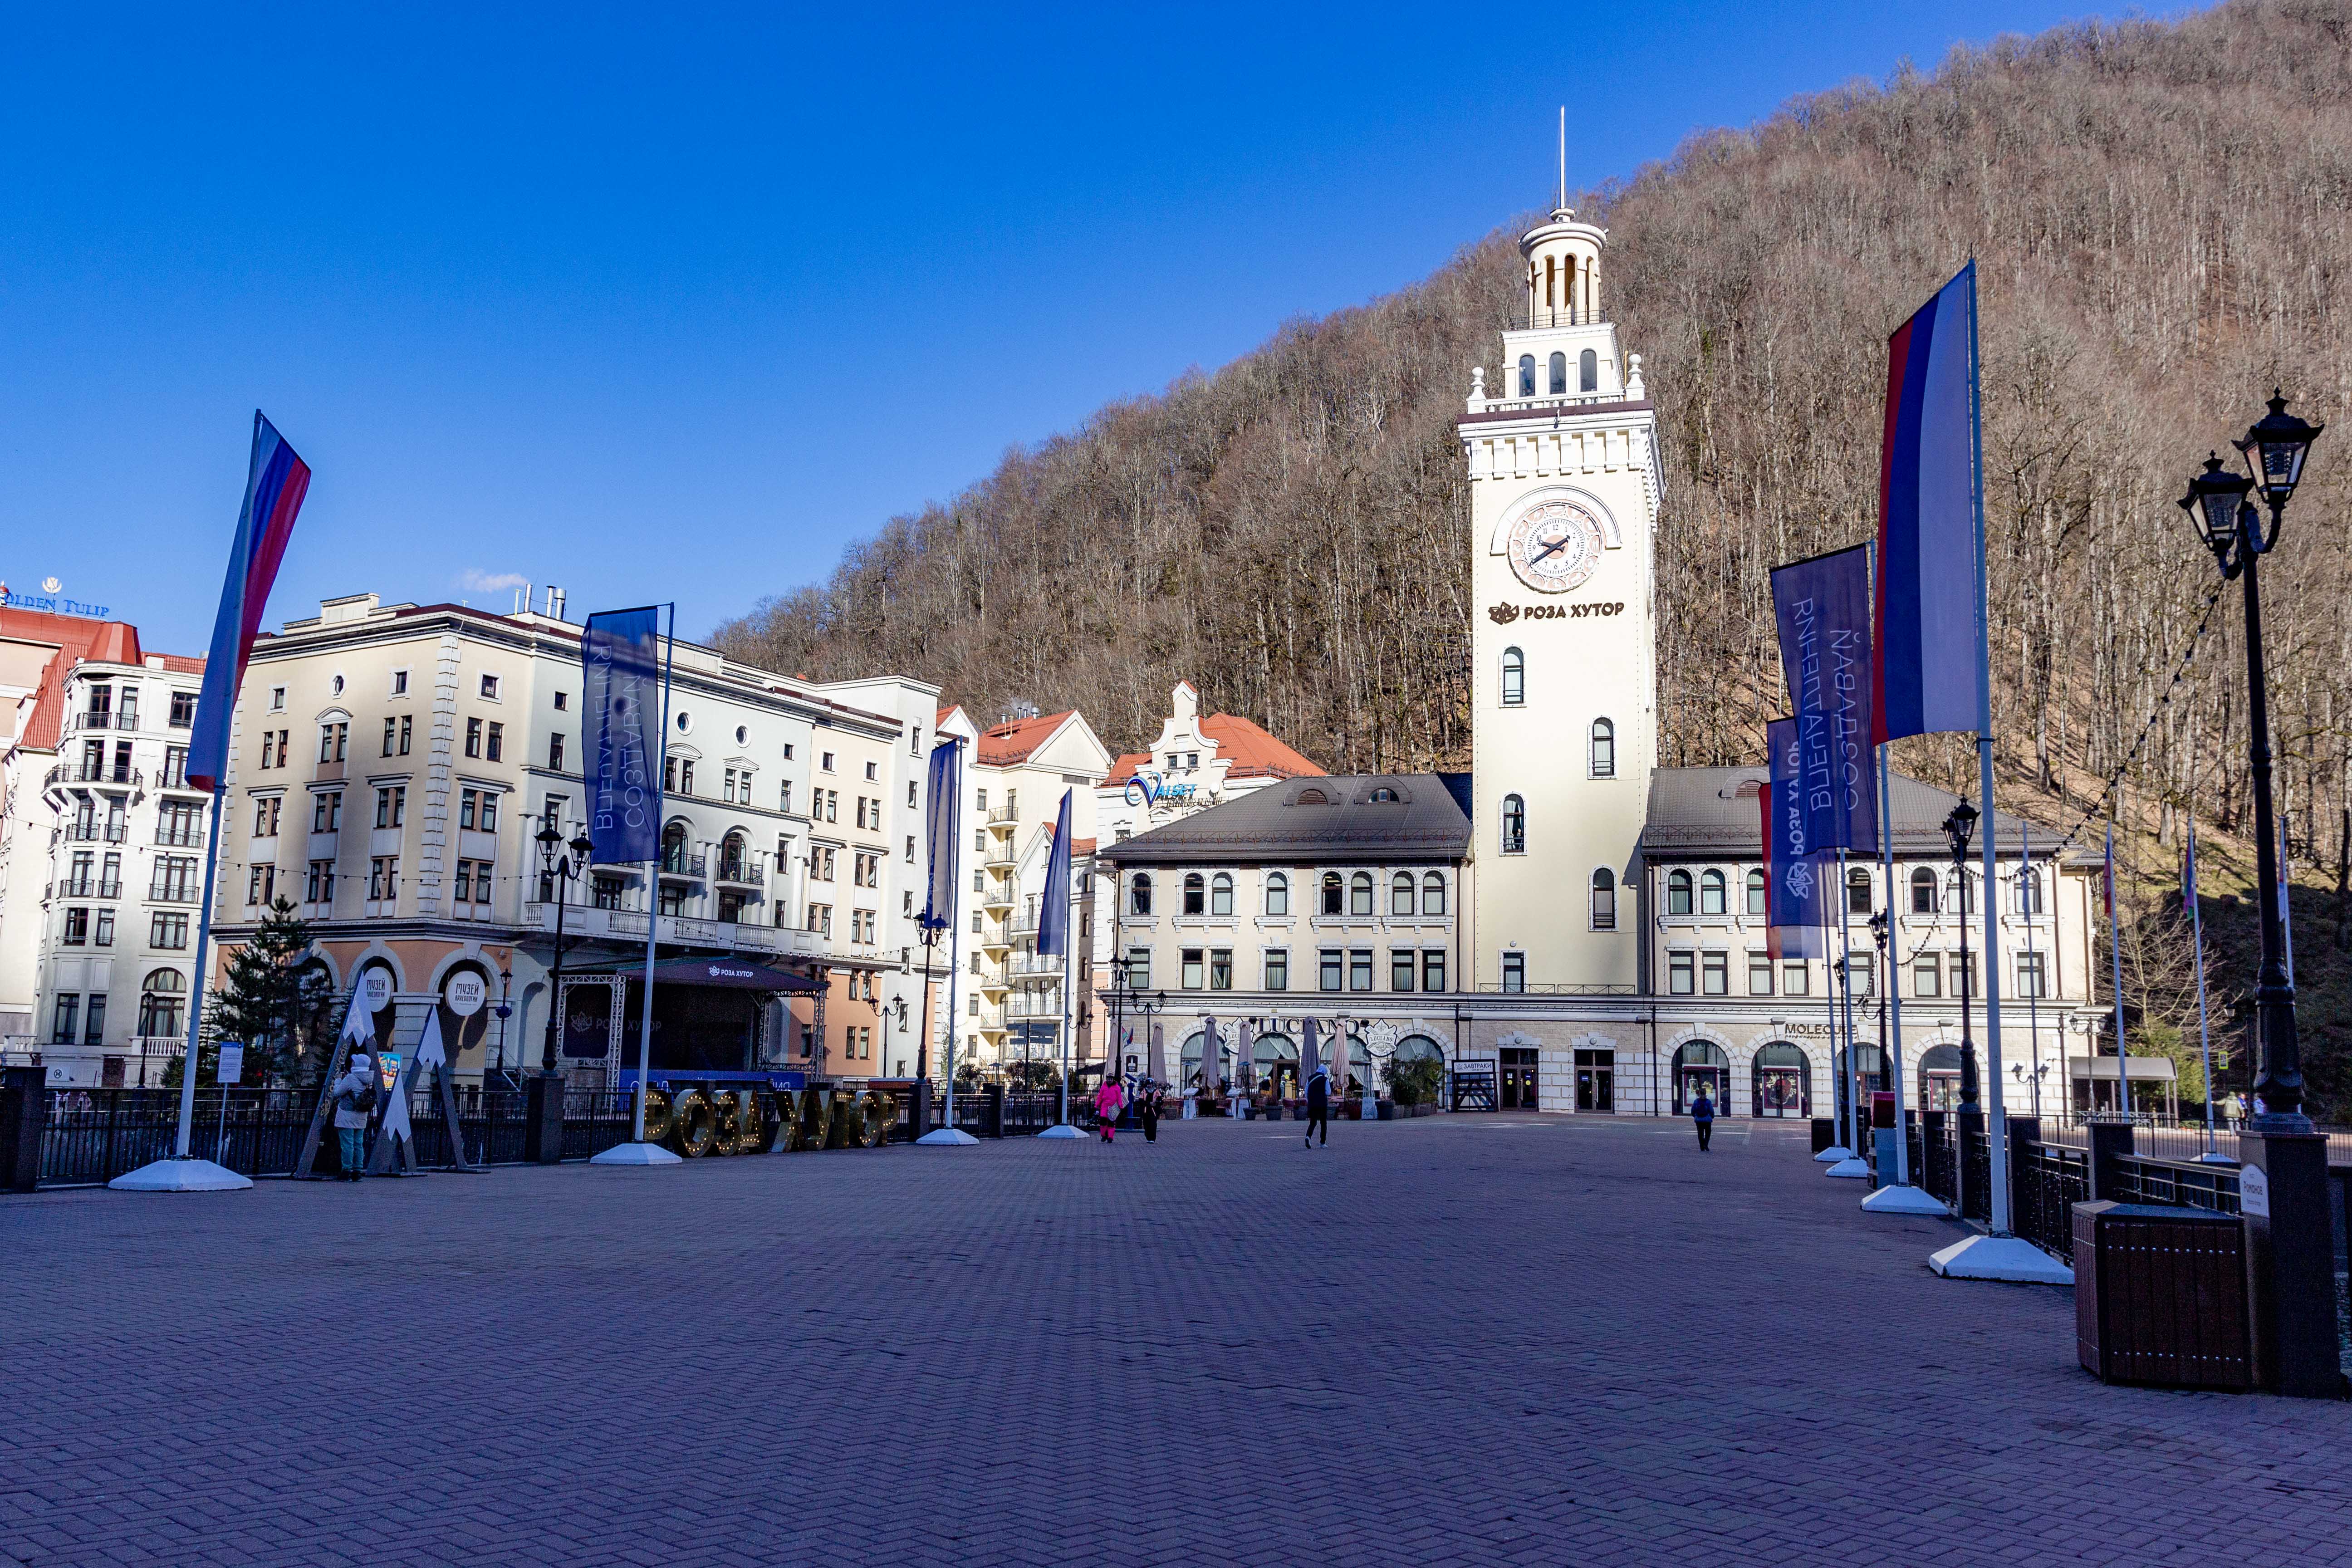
279	1000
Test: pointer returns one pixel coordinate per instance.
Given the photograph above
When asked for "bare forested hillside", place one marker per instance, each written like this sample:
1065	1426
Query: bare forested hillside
2162	219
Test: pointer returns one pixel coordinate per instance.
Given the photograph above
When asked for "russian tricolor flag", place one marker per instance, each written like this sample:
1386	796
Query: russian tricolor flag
1931	658
275	484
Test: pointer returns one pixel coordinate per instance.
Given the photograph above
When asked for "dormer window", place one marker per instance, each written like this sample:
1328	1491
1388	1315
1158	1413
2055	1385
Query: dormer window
1527	375
1559	374
1384	794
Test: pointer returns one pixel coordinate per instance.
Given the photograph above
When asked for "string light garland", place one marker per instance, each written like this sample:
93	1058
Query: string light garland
2091	812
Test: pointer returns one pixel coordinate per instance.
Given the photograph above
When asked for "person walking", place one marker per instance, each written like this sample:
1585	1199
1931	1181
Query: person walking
355	1096
1146	1110
1107	1101
1318	1107
1702	1117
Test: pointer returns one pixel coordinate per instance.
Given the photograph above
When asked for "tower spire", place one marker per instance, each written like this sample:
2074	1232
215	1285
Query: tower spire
1562	205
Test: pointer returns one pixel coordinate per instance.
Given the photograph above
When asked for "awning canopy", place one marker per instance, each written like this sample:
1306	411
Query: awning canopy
727	973
2152	1069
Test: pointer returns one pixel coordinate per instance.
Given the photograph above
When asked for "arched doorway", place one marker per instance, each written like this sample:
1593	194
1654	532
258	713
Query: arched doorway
1939	1078
1273	1062
1782	1078
1701	1064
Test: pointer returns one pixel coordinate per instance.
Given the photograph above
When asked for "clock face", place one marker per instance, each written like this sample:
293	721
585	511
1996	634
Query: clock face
1556	546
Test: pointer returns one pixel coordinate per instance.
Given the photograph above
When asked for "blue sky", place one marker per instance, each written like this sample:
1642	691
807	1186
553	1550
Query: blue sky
676	309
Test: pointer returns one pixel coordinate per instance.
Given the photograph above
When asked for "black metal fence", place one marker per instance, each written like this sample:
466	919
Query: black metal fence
595	1120
2175	1183
1939	1161
2051	1179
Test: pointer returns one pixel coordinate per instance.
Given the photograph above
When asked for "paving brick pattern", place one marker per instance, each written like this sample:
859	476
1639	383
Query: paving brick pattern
1473	1339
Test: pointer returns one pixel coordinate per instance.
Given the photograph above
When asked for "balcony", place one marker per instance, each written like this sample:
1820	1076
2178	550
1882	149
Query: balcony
174	893
105	718
588	923
999	858
739	874
91	773
1032	967
1561	316
1004	817
993	939
691	867
95	832
999	895
179	837
1022	924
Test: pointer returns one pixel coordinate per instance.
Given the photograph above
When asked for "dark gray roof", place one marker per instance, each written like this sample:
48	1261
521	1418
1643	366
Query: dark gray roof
1704	813
1310	820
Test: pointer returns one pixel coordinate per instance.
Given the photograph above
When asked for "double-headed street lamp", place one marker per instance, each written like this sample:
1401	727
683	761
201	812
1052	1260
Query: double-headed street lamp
1958	828
2233	531
559	864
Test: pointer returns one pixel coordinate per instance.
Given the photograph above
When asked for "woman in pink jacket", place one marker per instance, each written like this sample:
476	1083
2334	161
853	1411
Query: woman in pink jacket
1107	1101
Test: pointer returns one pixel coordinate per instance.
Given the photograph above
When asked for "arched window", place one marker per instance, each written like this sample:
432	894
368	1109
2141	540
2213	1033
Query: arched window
674	849
1515	825
1710	893
1756	896
1312	797
1277	894
1401	893
1384	796
1858	900
733	856
2028	890
1678	892
1527	375
1359	893
1139	894
162	997
1220	894
1432	894
1514	677
1588	371
1559	374
1194	894
1923	891
1332	894
1604	900
1961	892
1604	749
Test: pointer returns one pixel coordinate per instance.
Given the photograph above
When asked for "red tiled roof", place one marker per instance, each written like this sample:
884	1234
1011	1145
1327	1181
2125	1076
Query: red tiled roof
1253	753
76	640
1009	743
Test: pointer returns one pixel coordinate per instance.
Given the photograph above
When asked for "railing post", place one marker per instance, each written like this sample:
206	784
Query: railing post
2024	1145
23	1120
992	1121
2111	1141
918	1110
2289	1262
542	1133
1970	1143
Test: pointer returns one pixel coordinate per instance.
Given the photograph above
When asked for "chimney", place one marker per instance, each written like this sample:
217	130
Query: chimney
554	603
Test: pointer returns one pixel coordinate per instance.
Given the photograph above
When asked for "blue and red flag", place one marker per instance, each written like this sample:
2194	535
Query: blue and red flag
275	484
1929	651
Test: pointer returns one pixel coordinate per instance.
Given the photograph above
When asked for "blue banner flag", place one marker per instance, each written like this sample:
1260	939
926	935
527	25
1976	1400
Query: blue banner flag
620	664
1931	670
1797	906
1823	607
1054	915
942	833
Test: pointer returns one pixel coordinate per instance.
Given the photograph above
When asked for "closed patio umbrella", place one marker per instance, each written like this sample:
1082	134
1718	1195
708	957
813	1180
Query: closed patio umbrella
1310	1053
1156	1061
1243	1043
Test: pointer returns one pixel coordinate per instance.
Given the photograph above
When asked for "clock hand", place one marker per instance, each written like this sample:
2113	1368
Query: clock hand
1552	549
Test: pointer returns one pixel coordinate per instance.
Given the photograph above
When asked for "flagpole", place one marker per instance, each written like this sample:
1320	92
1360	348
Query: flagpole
2197	936
196	1005
653	888
1894	963
2116	951
2033	997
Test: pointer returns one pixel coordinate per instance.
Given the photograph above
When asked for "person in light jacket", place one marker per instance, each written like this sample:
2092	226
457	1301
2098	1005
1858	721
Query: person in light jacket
354	1097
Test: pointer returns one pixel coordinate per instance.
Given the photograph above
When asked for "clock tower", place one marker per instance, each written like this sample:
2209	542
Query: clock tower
1564	495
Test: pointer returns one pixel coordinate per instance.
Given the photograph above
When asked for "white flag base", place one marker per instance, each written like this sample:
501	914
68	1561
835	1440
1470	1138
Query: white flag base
2215	1158
1064	1131
947	1138
190	1175
1833	1154
1904	1200
635	1154
2007	1259
1850	1167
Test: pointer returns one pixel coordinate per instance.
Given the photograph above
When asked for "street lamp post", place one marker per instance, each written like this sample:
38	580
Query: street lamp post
2283	1179
561	864
1958	828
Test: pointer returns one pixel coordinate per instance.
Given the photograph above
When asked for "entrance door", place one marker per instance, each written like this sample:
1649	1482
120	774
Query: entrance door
1596	1080
1779	1092
1519	1072
1715	1081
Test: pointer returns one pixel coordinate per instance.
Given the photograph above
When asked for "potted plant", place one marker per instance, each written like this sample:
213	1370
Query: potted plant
1413	1085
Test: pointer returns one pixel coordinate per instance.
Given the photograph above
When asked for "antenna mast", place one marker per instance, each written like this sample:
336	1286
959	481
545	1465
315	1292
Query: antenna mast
1563	156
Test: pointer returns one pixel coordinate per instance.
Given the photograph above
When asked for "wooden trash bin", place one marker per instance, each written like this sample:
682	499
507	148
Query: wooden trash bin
2160	1296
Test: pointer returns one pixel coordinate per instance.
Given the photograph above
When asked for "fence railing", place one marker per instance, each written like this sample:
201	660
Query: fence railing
2175	1183
2051	1179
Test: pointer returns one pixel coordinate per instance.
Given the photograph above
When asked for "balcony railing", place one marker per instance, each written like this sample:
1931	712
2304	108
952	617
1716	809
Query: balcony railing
681	864
75	888
1564	316
742	875
106	718
96	832
91	773
179	837
588	923
1004	813
1030	964
174	893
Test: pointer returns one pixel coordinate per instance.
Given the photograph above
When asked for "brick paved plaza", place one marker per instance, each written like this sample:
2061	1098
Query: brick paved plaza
1467	1340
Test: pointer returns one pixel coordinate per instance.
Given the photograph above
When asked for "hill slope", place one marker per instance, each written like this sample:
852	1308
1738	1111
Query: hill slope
2160	215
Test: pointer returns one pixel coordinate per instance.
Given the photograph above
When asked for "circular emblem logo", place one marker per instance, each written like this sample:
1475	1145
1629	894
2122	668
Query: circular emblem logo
378	988
1555	546
465	993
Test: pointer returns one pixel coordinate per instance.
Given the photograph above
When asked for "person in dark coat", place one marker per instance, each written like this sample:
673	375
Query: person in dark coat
1702	1117
1318	1107
1146	1110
